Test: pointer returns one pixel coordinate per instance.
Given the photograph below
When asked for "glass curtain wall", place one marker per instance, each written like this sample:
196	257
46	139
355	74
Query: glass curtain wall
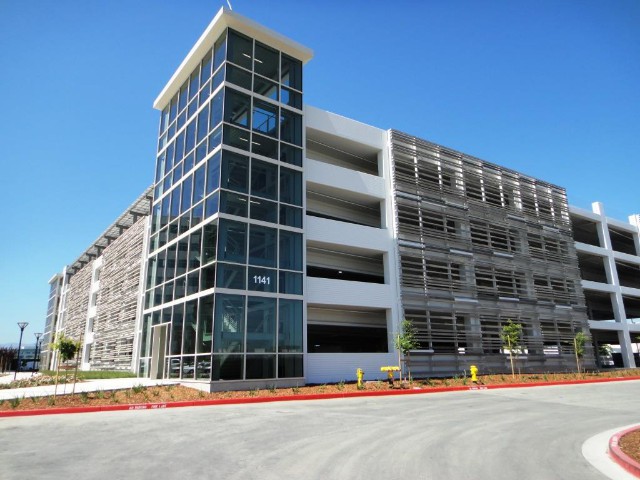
225	272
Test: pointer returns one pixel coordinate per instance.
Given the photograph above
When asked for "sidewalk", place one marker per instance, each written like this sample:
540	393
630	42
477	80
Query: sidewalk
86	386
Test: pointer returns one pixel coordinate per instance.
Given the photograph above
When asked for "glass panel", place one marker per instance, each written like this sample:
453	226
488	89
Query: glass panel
196	213
210	237
211	205
264	87
232	241
188	162
176	329
180	146
188	368
265	146
190	323
290	366
262	246
180	286
186	194
264	179
170	269
264	210
228	324
290	326
265	118
291	72
236	137
261	324
208	277
198	185
203	367
237	108
261	366
205	68
262	279
290	250
291	283
291	98
266	61
177	173
290	127
227	367
205	91
173	108
291	216
190	138
239	77
181	259
173	364
216	111
230	275
213	173
205	324
193	282
240	49
215	139
194	82
219	51
291	186
233	204
291	154
182	99
235	172
203	124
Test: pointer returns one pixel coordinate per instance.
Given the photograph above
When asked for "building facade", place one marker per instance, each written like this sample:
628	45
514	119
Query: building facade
285	244
96	300
609	257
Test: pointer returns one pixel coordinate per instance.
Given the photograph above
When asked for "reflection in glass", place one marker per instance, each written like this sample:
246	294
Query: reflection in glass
228	323
290	250
230	275
205	324
264	179
261	366
264	210
262	246
290	326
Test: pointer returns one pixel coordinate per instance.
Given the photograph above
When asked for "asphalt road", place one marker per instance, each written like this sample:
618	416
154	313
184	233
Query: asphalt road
532	433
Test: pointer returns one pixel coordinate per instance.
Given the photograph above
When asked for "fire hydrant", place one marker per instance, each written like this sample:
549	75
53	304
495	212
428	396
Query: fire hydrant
474	373
390	370
360	374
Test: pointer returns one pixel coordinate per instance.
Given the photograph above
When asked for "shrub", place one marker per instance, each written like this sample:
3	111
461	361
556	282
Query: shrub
84	397
15	402
138	388
340	385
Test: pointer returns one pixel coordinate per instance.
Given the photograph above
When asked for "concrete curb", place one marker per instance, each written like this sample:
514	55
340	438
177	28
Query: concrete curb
288	398
621	458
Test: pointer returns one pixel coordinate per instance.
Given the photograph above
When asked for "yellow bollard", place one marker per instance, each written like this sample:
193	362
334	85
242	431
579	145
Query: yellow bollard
360	374
474	373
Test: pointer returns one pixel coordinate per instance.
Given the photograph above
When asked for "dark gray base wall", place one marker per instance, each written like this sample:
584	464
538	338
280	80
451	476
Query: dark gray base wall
434	365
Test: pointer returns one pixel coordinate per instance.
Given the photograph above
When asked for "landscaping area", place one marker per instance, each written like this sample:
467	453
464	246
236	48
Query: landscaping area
630	445
179	393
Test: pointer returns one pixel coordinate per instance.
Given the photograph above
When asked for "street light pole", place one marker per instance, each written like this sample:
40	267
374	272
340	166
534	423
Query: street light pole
35	357
22	326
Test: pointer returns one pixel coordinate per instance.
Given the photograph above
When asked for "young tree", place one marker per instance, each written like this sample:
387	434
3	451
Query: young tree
67	349
511	336
406	341
579	342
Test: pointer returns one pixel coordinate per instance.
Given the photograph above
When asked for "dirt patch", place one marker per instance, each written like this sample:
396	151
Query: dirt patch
176	393
630	444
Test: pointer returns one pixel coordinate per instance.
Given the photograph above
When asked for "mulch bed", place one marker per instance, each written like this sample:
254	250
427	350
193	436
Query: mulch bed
630	444
178	393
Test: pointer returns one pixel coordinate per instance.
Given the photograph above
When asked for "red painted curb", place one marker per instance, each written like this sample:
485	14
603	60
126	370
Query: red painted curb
287	398
621	458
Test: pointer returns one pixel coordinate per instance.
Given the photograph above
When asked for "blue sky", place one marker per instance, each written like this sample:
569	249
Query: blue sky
543	87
